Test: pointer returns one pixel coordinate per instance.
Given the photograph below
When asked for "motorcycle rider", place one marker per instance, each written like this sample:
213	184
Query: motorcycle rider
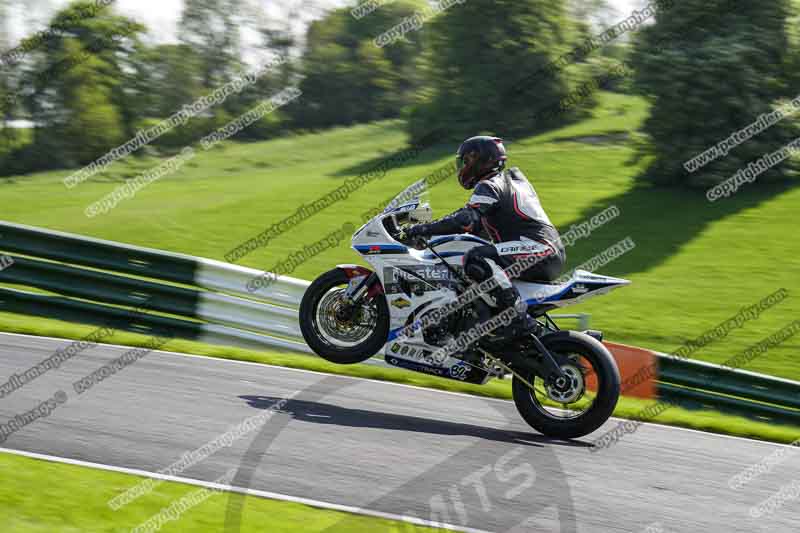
505	206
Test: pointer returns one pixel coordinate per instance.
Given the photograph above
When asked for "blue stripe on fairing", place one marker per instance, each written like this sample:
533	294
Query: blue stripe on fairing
364	248
552	298
394	333
556	297
451	238
443	254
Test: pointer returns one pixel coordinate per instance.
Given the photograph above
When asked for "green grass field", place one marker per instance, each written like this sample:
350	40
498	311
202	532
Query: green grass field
695	263
74	500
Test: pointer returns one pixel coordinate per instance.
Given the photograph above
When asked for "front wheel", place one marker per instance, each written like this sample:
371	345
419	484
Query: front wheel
579	404
337	331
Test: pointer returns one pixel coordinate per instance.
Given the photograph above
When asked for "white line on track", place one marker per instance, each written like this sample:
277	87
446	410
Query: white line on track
391	383
249	492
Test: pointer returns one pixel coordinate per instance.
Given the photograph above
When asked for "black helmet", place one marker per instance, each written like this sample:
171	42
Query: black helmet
490	156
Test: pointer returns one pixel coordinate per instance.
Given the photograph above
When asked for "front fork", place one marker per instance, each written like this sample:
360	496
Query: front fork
363	283
369	285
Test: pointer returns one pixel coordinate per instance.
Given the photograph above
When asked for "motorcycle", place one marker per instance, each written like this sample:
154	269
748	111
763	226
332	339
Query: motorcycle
412	308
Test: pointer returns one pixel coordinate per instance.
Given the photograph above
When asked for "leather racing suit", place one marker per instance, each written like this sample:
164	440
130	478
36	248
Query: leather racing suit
506	208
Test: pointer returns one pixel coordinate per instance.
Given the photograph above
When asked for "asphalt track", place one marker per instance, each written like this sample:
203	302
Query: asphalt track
389	448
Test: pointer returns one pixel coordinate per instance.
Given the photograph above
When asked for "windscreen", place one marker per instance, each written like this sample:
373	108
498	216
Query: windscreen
414	192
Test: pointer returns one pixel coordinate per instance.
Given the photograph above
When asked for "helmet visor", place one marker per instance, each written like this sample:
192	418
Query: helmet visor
459	163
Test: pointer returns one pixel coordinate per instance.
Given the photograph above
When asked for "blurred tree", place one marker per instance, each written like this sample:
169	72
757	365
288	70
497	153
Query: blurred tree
731	70
793	59
596	14
8	137
347	78
94	123
280	28
75	86
210	28
486	67
5	88
592	18
168	76
281	42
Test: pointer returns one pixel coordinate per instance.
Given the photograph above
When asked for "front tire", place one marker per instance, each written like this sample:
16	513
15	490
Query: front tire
337	333
601	383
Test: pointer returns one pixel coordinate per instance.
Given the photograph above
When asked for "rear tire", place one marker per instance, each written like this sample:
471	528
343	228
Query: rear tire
607	394
321	339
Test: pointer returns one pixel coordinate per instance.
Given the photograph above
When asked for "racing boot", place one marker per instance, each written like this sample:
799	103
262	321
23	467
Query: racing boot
520	326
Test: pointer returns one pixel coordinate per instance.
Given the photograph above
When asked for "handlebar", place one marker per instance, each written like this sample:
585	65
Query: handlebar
419	243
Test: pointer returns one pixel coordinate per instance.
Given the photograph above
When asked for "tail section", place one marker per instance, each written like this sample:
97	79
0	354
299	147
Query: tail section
580	286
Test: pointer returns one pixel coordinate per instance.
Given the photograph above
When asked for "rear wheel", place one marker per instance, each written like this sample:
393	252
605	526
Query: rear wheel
337	331
580	403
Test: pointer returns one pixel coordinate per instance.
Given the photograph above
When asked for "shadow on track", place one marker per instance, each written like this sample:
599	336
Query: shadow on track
323	413
467	486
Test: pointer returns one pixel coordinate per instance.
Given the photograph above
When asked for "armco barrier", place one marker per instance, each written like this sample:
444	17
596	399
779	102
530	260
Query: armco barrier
219	307
122	290
145	262
698	385
693	384
67	309
205	300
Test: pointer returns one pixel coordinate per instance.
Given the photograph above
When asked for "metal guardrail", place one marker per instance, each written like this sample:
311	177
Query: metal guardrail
699	385
206	300
583	319
149	291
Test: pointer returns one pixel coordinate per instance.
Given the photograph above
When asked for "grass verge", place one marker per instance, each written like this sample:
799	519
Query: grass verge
74	500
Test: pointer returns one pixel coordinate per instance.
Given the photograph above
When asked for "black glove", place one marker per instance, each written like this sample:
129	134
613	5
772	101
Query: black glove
415	236
419	230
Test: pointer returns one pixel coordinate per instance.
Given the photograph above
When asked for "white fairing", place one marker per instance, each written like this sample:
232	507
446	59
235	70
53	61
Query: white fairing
427	283
580	286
